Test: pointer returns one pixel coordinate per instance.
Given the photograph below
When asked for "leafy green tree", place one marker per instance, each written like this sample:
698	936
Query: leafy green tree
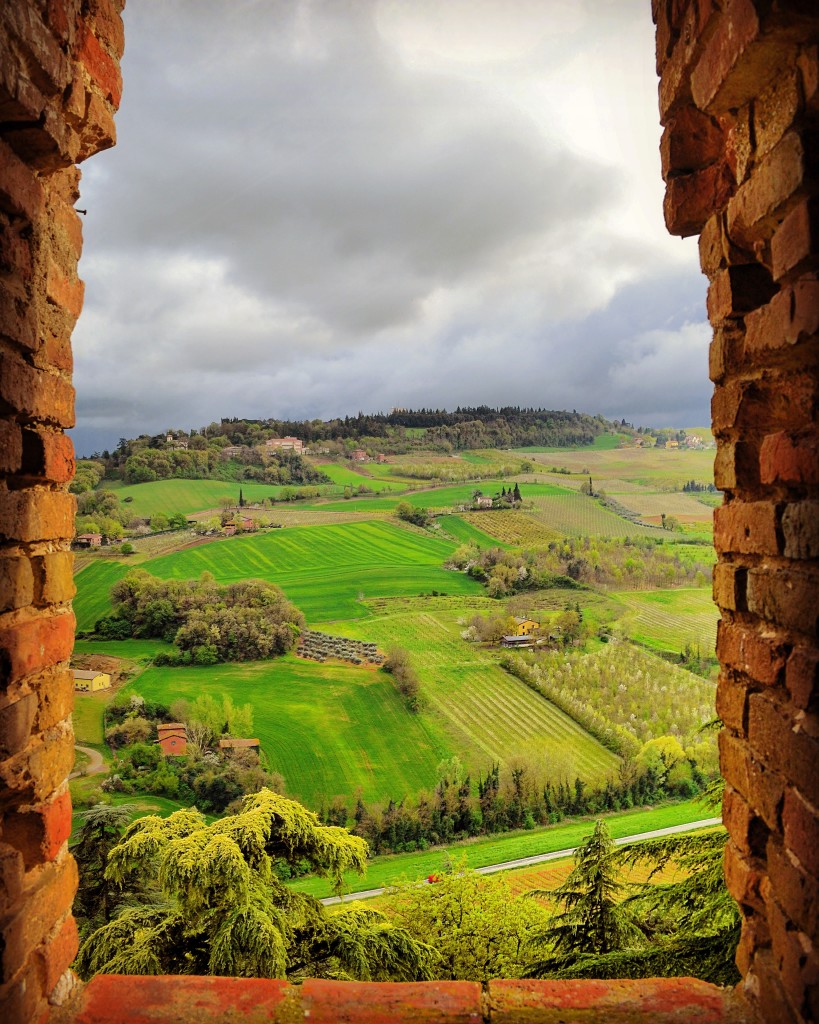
591	919
478	928
224	911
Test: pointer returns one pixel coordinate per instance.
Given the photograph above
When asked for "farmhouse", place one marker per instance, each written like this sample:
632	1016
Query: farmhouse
173	739
239	744
246	522
359	455
672	444
285	444
88	540
232	451
90	682
483	501
525	626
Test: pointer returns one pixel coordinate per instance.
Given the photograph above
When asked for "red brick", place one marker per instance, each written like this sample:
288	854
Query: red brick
23	999
800	528
104	71
57	953
776	109
39	833
44	904
743	876
746	527
114	999
776	186
795	245
790	317
63	292
16	720
54	578
42	767
691	199
734	463
801	830
737	290
48	454
746	829
18	321
329	1002
55	701
802	677
734	762
691	141
789	459
27	647
20	190
785	598
732	702
66	224
108	25
35	393
743	648
736	62
761	787
796	892
55	352
780	743
11	878
729	586
739	144
36	514
16	583
659	1000
754	936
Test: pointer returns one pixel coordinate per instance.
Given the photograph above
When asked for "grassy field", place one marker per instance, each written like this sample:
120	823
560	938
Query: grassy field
669	619
478	853
442	497
653	468
576	515
94	584
327	570
87	718
465	529
488	715
188	496
328	728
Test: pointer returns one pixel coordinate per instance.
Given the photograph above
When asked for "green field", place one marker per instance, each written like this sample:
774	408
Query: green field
466	532
488	715
87	718
667	620
478	853
327	570
576	515
188	496
94	584
328	728
443	497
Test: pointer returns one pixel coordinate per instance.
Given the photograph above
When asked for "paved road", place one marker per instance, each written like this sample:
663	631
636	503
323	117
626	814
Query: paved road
541	858
95	765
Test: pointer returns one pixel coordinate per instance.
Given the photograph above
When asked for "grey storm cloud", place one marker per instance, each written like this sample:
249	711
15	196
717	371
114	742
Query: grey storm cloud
302	217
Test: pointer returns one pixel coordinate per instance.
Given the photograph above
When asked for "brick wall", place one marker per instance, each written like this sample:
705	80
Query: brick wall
739	102
59	87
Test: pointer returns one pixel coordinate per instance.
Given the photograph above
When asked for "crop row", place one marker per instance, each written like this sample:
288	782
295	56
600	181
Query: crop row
319	646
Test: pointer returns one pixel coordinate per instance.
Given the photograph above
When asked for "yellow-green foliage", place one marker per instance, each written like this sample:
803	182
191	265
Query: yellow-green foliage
219	906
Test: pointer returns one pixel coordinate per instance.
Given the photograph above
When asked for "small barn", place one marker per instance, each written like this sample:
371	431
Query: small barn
239	744
173	738
90	681
517	641
88	540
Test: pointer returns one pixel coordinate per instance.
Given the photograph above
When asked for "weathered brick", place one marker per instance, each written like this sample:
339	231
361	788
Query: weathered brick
45	903
747	527
16	583
802	677
795	244
796	892
40	832
791	317
735	462
28	646
777	185
737	61
16	720
729	586
691	141
20	191
789	459
108	25
36	514
776	399
36	772
742	877
48	454
325	1002
64	292
18	321
739	144
12	877
691	199
775	110
788	955
35	393
784	597
55	700
737	290
761	787
58	951
741	647
801	831
780	743
800	528
54	575
746	829
732	702
104	71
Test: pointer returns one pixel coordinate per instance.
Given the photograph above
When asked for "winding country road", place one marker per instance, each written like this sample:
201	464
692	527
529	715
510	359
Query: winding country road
541	858
95	765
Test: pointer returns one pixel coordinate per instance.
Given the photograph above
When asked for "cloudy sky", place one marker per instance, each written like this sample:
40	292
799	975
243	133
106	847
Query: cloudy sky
321	206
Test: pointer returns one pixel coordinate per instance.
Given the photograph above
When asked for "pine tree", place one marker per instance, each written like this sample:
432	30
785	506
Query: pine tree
241	499
516	494
98	898
224	910
592	920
